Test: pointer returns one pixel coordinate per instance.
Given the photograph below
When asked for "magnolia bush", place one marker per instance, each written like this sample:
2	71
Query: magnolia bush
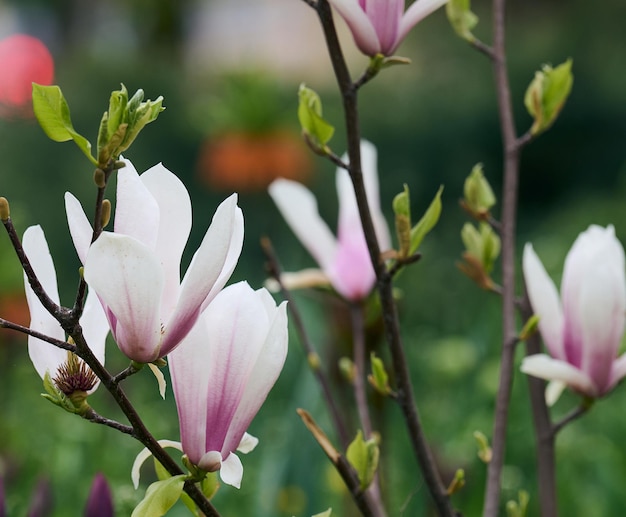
225	345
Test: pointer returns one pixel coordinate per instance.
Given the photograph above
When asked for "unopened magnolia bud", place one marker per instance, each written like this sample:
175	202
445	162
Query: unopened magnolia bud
99	178
5	211
106	212
211	461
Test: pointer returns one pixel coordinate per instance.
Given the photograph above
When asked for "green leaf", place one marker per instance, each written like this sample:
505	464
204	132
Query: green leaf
426	223
53	114
160	497
314	126
547	93
324	514
402	208
462	19
478	194
379	378
363	456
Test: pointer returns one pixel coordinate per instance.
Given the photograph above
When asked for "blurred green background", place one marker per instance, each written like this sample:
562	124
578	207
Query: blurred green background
229	72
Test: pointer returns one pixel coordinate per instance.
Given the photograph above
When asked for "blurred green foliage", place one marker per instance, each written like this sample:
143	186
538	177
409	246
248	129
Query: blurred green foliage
432	122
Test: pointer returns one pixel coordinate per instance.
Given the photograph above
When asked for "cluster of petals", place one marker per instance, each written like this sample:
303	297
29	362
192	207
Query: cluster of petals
135	270
582	329
379	26
345	261
222	372
45	357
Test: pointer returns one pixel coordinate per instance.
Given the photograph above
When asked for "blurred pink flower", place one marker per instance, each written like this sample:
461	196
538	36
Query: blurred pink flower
100	501
345	261
135	271
45	356
221	374
379	26
583	329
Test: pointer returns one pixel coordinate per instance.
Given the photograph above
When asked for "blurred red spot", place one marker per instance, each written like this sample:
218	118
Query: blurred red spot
23	60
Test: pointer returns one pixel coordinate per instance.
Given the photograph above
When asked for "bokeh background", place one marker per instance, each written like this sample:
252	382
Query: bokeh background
229	71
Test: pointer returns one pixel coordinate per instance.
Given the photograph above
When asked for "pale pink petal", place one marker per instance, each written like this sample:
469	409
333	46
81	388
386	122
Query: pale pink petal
95	328
360	25
545	302
128	279
238	324
174	226
618	371
269	361
385	16
419	10
369	165
136	211
210	269
544	367
80	227
247	444
189	366
299	209
231	472
45	357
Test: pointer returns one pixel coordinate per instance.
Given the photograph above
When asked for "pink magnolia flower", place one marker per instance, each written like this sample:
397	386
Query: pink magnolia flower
222	373
345	261
379	26
48	358
136	270
583	329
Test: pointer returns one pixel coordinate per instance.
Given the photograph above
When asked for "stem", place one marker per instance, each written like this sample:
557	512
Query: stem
405	396
94	417
571	416
275	271
25	330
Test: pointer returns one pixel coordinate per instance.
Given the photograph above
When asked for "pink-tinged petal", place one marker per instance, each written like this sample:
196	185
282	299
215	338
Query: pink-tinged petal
369	165
128	279
352	274
238	324
174	226
360	25
45	357
544	367
269	361
189	366
618	371
385	17
299	209
136	211
545	302
247	444
231	472
80	227
419	10
95	328
210	268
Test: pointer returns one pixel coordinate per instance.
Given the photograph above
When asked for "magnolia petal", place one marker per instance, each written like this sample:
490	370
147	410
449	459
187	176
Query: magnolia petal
158	374
418	10
545	302
232	470
298	207
618	371
210	269
135	471
188	365
369	164
268	364
95	328
554	390
136	211
544	367
248	443
304	279
360	25
128	278
80	227
45	357
385	17
174	227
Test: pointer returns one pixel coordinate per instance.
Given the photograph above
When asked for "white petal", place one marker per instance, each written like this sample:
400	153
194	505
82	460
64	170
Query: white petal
360	25
369	164
554	389
545	302
299	208
128	278
95	328
45	357
248	443
80	227
158	374
144	455
232	470
303	279
618	372
544	367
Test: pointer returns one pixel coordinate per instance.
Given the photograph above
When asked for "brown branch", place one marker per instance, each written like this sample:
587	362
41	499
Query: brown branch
25	330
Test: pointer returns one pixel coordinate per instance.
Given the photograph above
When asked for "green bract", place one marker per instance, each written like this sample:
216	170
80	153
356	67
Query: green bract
363	456
314	126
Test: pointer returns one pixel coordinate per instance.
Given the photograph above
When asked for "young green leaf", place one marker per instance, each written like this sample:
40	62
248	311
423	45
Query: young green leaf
402	209
363	456
314	126
426	223
379	378
160	497
53	114
462	19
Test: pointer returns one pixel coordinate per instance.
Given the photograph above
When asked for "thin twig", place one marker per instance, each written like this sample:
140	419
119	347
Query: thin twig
94	417
405	397
125	373
25	330
482	47
275	271
574	414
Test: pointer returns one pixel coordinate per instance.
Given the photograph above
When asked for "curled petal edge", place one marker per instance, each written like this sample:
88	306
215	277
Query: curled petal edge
145	454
